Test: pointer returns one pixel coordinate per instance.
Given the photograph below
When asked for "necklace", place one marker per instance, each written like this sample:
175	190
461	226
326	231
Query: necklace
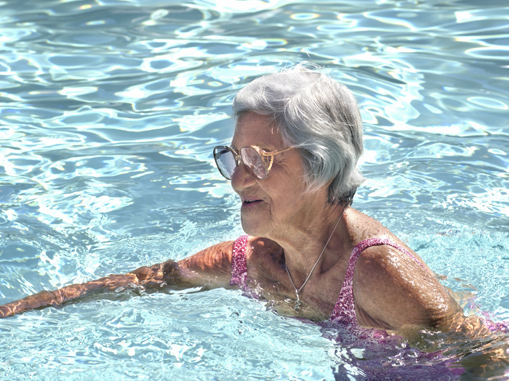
298	290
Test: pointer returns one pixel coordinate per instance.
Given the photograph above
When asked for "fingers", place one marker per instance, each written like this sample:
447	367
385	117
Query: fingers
157	275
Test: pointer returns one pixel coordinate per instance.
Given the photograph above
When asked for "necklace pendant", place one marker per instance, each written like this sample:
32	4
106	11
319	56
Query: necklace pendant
297	304
297	290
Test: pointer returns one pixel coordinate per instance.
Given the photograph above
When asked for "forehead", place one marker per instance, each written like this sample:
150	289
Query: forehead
258	130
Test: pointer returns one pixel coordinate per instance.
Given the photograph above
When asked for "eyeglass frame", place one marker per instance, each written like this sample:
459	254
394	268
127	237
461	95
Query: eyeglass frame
238	158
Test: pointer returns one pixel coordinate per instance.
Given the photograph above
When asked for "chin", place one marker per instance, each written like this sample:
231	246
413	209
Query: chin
253	228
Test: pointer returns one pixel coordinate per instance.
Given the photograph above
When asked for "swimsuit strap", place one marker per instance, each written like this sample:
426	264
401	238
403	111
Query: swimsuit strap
239	262
344	310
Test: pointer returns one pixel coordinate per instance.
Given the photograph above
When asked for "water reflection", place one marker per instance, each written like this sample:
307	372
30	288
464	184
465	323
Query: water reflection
109	111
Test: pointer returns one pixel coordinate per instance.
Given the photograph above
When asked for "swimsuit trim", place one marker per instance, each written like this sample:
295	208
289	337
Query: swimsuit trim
344	310
239	262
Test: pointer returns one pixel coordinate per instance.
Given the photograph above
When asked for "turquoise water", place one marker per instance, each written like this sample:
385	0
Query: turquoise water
108	114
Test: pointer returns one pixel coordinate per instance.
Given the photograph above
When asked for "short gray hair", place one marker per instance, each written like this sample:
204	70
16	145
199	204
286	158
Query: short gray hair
318	115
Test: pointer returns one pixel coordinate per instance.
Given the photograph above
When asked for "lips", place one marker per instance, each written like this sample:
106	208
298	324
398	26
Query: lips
250	201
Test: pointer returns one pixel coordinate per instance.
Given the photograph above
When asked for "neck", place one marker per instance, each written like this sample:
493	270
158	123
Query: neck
310	246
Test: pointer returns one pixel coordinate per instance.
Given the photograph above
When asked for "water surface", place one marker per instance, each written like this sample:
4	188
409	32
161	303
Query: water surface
108	114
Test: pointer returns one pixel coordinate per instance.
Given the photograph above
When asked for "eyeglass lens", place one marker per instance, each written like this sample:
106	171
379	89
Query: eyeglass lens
225	161
252	159
226	164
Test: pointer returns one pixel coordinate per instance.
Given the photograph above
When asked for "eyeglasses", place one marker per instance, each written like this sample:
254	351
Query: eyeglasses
257	161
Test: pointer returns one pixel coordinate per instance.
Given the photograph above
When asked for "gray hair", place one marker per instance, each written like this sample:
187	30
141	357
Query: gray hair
318	115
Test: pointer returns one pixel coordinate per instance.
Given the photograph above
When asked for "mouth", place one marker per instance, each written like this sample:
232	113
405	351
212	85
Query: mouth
250	201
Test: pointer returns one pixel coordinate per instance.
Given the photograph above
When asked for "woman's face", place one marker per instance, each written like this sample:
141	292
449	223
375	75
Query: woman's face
272	207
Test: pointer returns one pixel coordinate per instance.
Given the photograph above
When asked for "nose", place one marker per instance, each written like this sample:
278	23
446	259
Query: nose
242	178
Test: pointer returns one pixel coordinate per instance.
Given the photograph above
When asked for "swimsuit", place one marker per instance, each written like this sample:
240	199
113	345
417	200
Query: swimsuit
344	310
239	262
443	367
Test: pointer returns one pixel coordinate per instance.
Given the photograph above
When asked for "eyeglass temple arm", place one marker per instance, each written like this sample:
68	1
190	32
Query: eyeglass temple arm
271	156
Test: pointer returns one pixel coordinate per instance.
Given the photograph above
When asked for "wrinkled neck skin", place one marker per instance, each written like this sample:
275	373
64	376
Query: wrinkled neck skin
303	243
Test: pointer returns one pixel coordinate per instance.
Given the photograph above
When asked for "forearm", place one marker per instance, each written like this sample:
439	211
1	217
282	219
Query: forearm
49	298
159	275
210	267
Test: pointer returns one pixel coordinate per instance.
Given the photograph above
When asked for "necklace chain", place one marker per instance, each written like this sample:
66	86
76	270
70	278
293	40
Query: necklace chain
298	290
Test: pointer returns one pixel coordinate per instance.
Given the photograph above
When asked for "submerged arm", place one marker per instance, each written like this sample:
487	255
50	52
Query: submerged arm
210	267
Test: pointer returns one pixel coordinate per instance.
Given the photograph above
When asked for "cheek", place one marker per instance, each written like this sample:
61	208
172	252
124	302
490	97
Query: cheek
286	185
287	193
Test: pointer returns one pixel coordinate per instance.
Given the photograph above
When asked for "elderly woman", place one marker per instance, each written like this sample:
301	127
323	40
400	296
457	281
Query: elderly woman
293	163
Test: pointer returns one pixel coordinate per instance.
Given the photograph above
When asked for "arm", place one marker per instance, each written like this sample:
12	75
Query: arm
210	268
394	292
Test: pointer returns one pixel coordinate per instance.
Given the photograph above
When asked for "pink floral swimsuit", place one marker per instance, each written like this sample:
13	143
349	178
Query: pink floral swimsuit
344	310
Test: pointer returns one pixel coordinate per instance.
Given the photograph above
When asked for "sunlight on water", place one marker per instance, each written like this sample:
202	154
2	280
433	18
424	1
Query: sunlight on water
110	110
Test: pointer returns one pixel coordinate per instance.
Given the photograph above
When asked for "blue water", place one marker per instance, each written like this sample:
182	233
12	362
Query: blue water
108	114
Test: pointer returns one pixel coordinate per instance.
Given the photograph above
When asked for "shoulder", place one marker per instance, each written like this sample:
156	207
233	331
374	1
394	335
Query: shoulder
370	226
393	290
264	259
259	249
253	249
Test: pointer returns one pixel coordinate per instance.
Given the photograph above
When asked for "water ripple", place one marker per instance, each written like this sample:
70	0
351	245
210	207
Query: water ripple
109	111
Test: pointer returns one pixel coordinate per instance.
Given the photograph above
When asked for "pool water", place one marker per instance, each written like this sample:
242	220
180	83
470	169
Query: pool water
109	110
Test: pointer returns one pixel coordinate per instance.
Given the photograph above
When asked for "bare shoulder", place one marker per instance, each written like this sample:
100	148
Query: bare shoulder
261	249
264	259
370	227
374	229
393	290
